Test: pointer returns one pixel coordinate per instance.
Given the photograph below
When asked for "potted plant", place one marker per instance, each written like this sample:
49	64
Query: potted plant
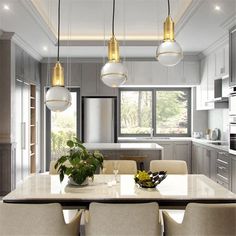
79	164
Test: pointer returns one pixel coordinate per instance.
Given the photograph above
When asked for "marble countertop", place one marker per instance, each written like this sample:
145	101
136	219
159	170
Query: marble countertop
175	190
123	146
210	143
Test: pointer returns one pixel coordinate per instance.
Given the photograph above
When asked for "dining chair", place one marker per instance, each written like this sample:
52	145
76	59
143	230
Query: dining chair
36	219
104	219
204	220
123	166
139	160
171	166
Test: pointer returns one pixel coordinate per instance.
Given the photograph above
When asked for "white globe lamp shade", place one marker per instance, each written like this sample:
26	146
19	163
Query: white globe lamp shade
58	99
114	74
169	53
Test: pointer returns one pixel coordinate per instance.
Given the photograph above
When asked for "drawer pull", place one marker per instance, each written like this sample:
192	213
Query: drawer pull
224	162
222	167
223	153
226	179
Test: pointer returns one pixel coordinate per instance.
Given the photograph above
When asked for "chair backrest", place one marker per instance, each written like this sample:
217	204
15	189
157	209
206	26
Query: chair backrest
35	219
171	166
204	219
124	166
122	219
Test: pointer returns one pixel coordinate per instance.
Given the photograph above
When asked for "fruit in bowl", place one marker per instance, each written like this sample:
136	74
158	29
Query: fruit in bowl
149	179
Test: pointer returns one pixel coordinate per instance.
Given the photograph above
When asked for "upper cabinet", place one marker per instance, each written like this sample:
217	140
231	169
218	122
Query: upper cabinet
222	62
232	58
153	73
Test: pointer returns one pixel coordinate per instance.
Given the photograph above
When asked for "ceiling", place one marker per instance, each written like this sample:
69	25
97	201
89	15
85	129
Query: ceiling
85	24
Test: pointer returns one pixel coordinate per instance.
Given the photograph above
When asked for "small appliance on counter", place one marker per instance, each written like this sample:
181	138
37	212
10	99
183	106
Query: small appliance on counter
197	134
215	134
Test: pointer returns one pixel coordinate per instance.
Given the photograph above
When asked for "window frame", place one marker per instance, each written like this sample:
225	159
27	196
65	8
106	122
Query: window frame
154	90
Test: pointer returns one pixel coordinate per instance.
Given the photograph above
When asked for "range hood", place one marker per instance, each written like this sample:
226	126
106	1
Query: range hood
221	93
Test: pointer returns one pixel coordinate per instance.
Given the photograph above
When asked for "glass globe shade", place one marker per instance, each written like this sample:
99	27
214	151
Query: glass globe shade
114	74
169	53
58	98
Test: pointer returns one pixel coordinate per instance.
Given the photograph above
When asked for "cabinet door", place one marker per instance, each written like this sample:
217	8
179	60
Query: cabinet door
27	69
182	151
159	74
232	58
206	161
176	74
192	72
213	156
19	62
25	130
168	153
233	175
226	50
220	62
142	72
211	66
89	79
18	129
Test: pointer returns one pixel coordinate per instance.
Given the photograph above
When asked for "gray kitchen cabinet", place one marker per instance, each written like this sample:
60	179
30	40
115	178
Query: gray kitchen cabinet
232	57
89	79
213	157
176	74
222	61
206	161
211	66
191	72
19	65
168	151
233	173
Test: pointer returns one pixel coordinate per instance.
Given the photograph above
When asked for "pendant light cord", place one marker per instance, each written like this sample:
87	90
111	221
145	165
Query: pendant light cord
113	18
168	7
58	30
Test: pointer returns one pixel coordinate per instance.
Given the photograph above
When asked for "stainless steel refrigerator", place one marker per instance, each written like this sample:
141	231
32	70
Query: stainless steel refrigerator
99	117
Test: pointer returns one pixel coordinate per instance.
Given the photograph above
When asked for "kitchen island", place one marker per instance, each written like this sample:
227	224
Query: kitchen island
143	153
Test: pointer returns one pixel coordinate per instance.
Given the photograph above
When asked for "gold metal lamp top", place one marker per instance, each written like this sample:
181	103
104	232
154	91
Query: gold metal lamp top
169	29
58	75
113	50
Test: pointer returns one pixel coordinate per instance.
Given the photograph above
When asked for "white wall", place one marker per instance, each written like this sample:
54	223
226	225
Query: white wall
218	118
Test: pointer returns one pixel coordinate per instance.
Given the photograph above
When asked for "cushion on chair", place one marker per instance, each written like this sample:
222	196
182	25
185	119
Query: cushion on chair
124	166
35	219
123	219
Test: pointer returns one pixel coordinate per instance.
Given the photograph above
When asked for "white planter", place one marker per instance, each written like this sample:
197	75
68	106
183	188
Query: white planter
72	182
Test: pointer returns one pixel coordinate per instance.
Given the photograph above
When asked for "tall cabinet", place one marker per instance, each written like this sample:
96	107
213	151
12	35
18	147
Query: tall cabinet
27	114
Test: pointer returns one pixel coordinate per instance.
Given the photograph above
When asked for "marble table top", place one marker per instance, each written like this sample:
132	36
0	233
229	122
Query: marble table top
123	146
175	190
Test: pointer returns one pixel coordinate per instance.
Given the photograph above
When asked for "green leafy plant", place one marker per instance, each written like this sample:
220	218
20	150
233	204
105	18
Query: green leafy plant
79	163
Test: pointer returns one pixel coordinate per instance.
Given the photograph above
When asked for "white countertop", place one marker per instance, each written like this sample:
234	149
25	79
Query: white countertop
153	139
123	146
174	189
210	143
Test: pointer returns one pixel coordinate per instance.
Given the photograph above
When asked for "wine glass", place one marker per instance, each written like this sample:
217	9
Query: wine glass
116	169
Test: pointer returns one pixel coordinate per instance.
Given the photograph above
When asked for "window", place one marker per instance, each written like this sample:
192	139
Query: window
136	112
61	126
166	110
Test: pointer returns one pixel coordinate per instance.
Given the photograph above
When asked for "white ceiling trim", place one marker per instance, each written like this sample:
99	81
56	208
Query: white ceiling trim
30	7
26	47
229	23
189	12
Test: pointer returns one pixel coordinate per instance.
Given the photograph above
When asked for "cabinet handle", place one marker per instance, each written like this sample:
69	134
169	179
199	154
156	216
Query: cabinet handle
224	162
23	132
222	167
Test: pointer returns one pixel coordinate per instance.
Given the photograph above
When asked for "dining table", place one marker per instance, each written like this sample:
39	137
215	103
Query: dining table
175	191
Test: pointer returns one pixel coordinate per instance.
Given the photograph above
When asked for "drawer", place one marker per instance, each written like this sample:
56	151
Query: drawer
222	183
223	158
222	171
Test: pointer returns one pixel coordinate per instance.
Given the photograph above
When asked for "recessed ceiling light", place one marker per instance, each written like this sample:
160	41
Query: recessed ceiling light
6	7
45	48
217	8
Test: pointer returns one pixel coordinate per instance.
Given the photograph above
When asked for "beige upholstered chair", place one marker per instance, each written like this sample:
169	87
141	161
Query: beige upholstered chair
171	166
36	219
124	166
204	220
122	219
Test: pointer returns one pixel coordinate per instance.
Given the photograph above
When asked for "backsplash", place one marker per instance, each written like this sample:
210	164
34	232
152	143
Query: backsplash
219	118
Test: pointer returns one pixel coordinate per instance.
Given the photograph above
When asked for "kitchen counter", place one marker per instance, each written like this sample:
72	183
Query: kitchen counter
153	139
123	146
220	145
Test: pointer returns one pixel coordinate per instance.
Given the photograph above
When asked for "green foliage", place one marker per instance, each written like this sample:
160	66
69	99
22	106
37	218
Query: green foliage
79	163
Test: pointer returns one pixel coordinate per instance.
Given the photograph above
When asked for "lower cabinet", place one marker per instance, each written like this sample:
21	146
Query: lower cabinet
177	150
233	173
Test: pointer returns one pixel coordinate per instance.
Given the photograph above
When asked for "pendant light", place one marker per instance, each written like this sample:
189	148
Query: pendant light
169	53
58	98
113	73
